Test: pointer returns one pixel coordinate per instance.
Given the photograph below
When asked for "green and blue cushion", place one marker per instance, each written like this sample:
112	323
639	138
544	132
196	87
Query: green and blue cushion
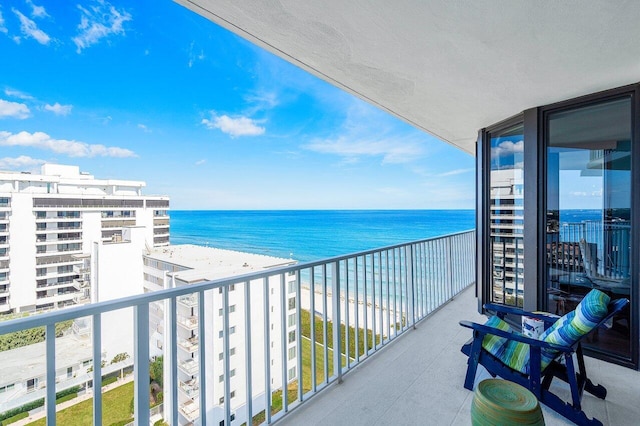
566	331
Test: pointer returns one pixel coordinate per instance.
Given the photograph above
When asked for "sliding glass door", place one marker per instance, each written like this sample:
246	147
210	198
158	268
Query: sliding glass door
588	212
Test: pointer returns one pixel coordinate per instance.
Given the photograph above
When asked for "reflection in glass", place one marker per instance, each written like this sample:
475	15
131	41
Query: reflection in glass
506	215
589	210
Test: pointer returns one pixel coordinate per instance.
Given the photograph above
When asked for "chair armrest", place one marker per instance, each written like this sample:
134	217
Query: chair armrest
547	318
485	329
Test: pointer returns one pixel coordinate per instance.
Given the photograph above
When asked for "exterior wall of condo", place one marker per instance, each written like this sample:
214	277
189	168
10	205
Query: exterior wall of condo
48	226
507	225
177	266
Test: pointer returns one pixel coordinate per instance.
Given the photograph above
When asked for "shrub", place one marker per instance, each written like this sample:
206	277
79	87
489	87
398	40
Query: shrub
119	357
15	418
108	380
66	398
30	336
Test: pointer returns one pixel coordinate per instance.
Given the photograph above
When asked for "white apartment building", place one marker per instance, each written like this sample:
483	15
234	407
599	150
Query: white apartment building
53	223
182	265
507	225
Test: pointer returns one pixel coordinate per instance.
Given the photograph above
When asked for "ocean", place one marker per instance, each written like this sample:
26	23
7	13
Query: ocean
308	235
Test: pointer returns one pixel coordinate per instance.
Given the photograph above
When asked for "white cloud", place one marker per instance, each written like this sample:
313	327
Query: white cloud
456	172
193	56
240	126
42	140
99	21
58	109
17	94
507	148
144	128
391	151
30	29
37	11
3	29
200	162
20	163
13	110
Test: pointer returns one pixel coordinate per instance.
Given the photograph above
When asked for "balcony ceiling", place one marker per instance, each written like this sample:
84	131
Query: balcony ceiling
447	67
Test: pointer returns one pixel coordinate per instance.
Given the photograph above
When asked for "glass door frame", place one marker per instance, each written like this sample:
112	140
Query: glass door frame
633	92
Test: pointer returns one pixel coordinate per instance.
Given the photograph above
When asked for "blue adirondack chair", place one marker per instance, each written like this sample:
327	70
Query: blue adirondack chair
534	363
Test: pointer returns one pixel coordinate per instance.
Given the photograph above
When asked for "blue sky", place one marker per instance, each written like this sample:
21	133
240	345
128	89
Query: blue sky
150	91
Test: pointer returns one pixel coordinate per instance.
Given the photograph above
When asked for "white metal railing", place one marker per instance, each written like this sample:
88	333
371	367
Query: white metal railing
298	327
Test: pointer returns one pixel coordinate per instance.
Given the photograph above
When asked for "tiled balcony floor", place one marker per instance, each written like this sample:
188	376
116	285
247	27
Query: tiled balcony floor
418	379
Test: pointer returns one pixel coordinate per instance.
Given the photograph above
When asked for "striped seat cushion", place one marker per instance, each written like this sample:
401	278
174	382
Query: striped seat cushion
566	331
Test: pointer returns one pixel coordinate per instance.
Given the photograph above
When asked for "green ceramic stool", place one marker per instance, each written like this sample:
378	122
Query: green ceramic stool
500	402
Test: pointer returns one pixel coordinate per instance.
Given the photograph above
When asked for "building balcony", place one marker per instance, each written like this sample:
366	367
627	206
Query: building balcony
188	300
420	377
189	345
5	306
190	410
189	366
190	388
117	223
61	219
402	320
56	297
57	260
189	323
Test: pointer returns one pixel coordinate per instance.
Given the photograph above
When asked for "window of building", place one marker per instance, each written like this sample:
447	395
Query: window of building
292	373
292	303
292	336
506	214
292	286
292	320
292	353
6	388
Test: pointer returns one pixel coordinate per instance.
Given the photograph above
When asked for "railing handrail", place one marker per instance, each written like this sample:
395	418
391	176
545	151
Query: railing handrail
145	298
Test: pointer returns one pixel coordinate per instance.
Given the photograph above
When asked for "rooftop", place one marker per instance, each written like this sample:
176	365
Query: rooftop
420	376
28	362
208	263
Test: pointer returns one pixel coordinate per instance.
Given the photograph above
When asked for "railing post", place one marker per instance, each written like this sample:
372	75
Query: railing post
50	338
171	332
141	363
247	349
97	369
335	290
449	258
410	282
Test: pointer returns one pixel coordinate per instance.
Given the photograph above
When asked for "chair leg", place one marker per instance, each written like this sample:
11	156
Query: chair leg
598	391
474	358
574	414
573	382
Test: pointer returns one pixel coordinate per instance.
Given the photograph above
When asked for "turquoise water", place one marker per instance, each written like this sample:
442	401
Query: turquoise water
307	235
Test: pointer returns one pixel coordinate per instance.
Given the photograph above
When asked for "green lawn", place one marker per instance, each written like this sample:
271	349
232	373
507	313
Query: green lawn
116	405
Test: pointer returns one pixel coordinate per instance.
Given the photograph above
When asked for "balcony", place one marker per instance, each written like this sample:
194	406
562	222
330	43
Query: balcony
189	388
189	367
190	323
402	305
190	345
